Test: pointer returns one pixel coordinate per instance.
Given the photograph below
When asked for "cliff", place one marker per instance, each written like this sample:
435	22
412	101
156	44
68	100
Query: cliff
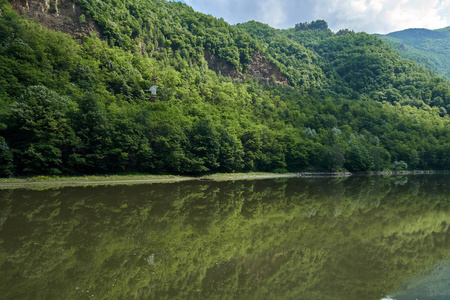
60	15
259	68
262	69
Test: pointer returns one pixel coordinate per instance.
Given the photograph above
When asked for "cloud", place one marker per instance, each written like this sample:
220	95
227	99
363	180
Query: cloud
372	16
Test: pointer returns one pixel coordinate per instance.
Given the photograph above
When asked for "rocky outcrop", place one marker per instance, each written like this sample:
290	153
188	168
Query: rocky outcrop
262	69
60	15
259	68
221	67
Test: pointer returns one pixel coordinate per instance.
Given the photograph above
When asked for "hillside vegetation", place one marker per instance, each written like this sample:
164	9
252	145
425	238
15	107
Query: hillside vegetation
80	106
429	48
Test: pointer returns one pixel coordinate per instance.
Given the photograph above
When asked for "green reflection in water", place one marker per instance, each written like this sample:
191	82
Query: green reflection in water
345	238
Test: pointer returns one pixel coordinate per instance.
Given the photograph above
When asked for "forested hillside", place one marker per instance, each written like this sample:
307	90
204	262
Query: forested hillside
354	65
429	48
231	98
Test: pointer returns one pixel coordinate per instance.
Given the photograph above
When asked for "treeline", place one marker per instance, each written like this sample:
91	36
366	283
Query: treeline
70	108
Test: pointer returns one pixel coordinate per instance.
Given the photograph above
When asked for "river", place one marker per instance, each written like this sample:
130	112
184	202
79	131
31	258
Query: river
361	237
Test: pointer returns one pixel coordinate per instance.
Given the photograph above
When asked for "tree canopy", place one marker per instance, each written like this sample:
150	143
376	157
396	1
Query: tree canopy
429	48
81	106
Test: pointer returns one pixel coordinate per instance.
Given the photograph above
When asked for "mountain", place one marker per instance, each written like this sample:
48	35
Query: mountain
75	77
345	64
429	48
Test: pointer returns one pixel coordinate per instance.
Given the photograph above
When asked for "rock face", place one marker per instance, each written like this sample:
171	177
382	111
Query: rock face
221	67
259	68
60	15
262	69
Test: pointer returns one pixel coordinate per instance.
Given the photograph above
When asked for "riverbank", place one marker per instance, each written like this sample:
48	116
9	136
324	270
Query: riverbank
57	181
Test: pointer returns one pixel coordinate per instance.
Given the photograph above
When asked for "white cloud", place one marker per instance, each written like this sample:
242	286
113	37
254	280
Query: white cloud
372	16
272	11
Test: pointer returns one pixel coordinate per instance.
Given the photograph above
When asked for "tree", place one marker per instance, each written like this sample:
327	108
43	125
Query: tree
399	165
39	132
381	158
334	157
205	143
230	152
358	158
252	144
6	159
93	130
170	143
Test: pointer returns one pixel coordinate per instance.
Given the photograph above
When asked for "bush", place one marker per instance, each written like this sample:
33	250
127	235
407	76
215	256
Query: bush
399	166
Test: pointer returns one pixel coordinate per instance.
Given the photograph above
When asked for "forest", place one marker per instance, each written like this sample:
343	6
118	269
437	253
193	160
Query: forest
427	47
80	105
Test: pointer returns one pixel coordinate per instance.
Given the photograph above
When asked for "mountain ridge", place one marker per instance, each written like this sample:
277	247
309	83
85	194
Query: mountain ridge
429	48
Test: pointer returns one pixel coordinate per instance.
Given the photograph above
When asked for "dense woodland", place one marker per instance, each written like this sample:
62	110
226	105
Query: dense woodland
79	106
429	48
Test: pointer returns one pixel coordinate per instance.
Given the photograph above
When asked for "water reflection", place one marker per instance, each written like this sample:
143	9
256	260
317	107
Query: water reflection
337	238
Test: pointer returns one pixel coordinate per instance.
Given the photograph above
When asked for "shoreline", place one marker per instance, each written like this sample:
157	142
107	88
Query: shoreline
55	182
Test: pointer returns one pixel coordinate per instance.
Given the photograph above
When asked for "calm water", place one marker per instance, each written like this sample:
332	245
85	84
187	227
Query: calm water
323	238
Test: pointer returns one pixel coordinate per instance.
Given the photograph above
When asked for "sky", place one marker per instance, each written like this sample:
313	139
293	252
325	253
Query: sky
371	16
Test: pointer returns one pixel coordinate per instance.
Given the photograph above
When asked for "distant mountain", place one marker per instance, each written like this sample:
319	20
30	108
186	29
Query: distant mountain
429	48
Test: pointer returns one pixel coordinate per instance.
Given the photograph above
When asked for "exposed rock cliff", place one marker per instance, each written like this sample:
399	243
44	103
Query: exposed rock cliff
221	67
262	69
61	15
259	68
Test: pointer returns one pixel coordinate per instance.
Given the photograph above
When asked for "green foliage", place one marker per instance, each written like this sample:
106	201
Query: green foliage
205	143
333	158
154	24
94	133
82	19
230	152
38	130
358	158
300	65
84	108
347	64
6	159
428	48
399	165
314	25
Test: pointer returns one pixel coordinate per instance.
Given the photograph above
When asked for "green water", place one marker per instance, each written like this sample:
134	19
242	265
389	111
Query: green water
323	238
